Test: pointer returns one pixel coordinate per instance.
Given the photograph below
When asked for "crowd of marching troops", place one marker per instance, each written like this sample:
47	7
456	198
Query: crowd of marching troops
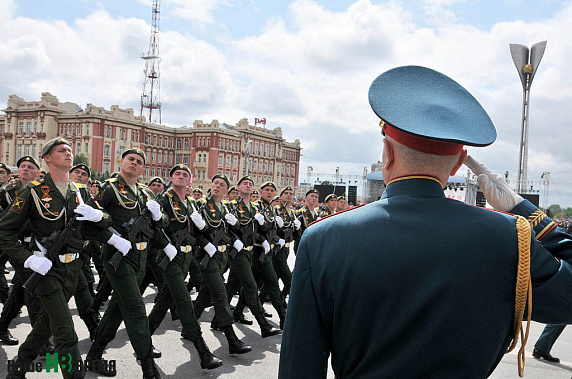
55	225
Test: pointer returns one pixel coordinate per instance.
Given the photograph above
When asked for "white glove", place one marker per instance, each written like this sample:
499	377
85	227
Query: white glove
198	220
155	209
238	245
281	242
266	247
171	251
279	221
230	219
120	243
297	224
210	249
41	265
88	213
494	187
260	218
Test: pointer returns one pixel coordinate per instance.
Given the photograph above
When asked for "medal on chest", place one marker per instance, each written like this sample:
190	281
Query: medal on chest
122	189
176	206
46	198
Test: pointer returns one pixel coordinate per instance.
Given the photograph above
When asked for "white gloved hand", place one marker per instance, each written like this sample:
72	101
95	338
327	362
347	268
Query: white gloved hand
281	242
279	221
297	224
88	213
210	249
155	209
266	247
494	187
260	218
120	243
230	218
171	251
198	220
238	245
41	265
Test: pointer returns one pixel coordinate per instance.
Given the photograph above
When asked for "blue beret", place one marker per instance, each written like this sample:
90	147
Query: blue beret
425	109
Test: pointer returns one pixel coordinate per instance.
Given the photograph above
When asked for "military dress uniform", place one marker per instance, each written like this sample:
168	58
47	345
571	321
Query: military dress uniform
280	260
429	274
48	210
180	232
262	262
121	203
241	278
18	296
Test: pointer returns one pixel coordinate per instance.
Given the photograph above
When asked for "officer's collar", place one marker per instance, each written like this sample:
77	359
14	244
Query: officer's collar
417	185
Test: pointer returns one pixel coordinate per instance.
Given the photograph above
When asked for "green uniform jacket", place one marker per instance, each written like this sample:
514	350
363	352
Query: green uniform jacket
42	203
178	211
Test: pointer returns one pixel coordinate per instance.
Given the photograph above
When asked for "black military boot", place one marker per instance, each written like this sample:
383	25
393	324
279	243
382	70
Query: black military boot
156	353
47	348
282	315
95	362
91	321
208	360
5	336
235	346
215	325
149	369
17	369
266	330
239	317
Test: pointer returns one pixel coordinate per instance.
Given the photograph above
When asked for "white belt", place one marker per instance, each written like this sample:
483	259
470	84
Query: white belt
67	258
221	248
140	245
185	249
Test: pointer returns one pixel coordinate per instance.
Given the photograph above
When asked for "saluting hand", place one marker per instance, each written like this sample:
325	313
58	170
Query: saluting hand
494	187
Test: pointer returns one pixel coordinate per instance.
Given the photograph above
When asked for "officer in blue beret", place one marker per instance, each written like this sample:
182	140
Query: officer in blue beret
416	285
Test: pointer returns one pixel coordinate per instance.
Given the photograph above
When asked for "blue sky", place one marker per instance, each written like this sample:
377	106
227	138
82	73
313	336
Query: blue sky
304	65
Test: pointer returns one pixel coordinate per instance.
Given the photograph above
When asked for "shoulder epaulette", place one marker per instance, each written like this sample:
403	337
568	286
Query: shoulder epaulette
169	194
35	183
337	213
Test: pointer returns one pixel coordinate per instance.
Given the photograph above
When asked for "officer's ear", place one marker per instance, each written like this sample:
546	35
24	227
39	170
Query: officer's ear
460	161
388	154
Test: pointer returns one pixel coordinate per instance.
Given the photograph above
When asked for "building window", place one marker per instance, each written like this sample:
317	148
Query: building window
235	162
177	158
228	160
29	127
178	144
160	140
283	168
266	150
186	144
208	141
21	128
272	151
220	159
159	156
78	148
219	143
271	166
154	156
265	166
106	150
34	150
256	148
26	149
106	167
186	159
154	140
121	150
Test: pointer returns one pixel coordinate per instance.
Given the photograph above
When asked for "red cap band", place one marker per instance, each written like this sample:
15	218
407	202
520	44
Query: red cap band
421	144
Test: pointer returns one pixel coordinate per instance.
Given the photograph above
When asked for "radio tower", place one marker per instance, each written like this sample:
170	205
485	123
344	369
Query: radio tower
150	98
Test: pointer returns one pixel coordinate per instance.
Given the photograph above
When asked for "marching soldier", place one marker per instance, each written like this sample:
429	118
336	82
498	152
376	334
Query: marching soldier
156	185
124	200
241	260
48	204
5	173
213	258
28	169
177	244
197	194
342	204
262	266
255	196
288	233
329	207
232	193
308	213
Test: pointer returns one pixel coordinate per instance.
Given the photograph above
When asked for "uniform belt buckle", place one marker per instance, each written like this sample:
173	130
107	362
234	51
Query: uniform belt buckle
185	249
69	257
141	245
272	246
287	244
248	248
222	248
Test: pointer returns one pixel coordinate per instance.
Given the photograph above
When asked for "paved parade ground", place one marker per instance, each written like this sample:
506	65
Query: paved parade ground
180	359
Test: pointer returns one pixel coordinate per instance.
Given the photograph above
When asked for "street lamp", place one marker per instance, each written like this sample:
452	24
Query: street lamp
526	62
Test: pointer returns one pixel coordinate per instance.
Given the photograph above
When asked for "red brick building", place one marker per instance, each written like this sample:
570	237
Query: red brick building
103	135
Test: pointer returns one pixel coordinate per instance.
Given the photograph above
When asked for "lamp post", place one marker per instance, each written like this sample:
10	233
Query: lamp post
526	62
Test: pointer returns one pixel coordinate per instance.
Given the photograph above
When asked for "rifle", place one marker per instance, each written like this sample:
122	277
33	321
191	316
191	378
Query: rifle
179	237
136	227
55	242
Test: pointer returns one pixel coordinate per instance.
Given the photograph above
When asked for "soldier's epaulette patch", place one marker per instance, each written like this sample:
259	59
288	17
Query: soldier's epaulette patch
111	180
169	194
337	213
35	183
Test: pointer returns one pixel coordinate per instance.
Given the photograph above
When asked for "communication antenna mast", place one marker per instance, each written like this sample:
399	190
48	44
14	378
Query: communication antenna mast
150	98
